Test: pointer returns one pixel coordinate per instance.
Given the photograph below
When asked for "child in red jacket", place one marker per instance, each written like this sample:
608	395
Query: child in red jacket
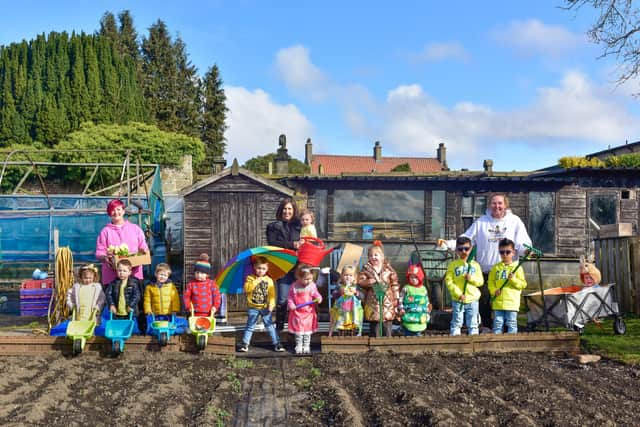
202	292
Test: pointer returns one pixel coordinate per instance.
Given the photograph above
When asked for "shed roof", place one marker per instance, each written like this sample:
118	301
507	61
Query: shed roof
236	170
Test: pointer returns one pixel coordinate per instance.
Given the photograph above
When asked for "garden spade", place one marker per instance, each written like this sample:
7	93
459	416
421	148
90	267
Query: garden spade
471	257
532	252
380	289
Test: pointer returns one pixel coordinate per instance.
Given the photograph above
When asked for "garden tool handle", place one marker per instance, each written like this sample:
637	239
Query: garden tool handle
191	309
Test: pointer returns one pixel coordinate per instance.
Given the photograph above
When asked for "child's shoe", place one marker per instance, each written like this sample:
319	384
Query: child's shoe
299	344
243	348
278	347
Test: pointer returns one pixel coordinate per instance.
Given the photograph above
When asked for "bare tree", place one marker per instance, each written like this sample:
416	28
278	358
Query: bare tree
617	29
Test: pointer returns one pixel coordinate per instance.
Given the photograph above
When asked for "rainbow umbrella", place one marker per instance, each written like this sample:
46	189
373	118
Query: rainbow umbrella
231	278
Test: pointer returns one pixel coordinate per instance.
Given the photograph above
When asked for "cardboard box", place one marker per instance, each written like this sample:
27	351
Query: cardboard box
621	229
136	260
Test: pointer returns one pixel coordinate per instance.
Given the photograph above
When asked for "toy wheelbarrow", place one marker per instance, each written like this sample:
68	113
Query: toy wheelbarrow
79	331
202	327
118	331
163	329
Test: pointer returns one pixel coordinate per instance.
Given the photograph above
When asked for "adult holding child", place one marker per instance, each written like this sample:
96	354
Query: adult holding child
117	232
485	233
284	232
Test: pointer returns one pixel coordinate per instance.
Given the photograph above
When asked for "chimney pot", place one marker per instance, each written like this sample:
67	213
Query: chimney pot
377	151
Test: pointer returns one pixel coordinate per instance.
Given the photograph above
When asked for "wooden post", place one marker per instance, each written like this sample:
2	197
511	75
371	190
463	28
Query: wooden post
635	272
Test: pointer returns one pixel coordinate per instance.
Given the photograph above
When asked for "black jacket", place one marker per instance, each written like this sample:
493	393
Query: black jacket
283	234
132	293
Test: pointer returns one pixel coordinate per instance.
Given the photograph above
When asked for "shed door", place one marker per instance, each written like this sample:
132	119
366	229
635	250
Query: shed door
235	222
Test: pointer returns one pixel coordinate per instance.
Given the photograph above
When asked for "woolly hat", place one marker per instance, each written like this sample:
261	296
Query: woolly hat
415	270
203	265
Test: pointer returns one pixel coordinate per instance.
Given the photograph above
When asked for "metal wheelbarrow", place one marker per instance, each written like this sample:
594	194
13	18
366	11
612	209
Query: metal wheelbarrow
78	331
202	327
163	329
118	331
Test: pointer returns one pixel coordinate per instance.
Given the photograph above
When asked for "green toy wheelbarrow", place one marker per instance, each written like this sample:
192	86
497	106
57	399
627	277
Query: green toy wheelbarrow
202	327
78	331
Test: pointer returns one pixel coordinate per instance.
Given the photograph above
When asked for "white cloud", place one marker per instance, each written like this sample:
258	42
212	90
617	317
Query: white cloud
255	121
575	110
294	67
440	51
532	36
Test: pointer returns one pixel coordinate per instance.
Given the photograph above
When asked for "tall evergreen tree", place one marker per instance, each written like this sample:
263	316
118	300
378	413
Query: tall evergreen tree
128	37
214	114
108	27
188	105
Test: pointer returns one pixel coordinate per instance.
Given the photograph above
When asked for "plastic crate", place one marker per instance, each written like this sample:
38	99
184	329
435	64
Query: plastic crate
37	284
35	301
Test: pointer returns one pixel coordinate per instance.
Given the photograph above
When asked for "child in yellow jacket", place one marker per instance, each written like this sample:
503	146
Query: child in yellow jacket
463	279
261	301
161	297
506	283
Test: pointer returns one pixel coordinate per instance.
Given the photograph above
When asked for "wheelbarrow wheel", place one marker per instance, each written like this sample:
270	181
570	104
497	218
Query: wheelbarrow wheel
436	295
163	338
201	342
619	326
117	349
77	347
578	329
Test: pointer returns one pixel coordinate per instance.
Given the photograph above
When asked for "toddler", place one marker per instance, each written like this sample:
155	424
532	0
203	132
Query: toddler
506	283
413	306
377	270
202	293
463	279
347	313
301	300
261	300
86	296
123	293
161	297
307	219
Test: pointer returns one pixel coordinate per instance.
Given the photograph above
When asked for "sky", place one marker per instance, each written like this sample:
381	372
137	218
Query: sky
517	82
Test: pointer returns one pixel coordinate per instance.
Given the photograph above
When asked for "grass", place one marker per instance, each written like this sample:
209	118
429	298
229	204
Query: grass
220	414
318	405
234	363
236	385
601	339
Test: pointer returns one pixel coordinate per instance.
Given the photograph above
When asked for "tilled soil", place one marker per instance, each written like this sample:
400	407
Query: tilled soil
371	389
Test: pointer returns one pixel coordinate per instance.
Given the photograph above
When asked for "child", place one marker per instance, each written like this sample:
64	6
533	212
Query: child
505	298
202	293
261	300
123	293
378	270
414	306
86	296
307	219
589	273
463	280
161	297
303	319
347	313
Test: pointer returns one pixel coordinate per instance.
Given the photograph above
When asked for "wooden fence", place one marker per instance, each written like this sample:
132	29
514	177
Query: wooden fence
618	259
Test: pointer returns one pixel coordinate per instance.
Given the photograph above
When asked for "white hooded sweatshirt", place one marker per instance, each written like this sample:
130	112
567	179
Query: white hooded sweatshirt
487	231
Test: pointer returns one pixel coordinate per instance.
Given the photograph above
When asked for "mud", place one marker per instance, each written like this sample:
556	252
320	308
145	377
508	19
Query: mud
371	389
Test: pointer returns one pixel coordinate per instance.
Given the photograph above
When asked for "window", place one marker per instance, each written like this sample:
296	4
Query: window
602	208
438	212
473	207
542	219
320	211
377	214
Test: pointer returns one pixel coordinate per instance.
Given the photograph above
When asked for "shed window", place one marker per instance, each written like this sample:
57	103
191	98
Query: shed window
438	212
473	207
602	208
321	213
542	219
378	214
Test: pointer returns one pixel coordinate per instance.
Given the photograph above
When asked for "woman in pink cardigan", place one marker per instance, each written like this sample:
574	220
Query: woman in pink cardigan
117	232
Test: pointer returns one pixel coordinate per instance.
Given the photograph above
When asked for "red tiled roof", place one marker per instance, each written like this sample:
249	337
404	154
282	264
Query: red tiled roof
335	164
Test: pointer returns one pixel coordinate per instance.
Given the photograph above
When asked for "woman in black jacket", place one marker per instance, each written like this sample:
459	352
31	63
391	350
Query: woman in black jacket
284	233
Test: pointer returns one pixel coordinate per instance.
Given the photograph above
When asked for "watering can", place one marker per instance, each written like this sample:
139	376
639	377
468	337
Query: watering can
312	251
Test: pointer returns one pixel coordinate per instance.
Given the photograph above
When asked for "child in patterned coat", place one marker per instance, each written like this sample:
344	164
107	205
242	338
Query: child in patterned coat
202	293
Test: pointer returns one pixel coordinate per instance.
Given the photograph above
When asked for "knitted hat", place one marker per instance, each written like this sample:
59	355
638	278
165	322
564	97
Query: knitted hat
415	270
203	265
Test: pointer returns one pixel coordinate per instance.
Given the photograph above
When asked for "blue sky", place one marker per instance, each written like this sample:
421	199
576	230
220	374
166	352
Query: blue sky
513	81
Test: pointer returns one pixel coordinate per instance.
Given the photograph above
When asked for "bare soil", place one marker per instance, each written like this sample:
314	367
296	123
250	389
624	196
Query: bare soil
371	389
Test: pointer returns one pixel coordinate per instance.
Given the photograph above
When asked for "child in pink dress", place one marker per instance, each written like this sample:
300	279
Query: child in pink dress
303	318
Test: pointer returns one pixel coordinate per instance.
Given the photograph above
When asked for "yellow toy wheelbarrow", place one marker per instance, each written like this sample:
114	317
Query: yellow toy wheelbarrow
202	327
78	331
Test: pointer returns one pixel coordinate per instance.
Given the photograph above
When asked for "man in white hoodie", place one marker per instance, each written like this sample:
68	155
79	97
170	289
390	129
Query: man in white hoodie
485	233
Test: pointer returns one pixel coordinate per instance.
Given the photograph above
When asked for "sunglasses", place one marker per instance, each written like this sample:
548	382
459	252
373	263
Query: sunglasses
505	252
463	248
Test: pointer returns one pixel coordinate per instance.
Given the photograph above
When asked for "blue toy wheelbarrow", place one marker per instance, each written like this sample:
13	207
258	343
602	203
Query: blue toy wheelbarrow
118	331
163	329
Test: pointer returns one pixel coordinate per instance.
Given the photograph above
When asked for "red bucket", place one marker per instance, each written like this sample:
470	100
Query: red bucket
312	251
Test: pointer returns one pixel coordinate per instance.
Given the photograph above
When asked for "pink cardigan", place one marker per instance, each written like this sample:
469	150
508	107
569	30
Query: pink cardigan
113	235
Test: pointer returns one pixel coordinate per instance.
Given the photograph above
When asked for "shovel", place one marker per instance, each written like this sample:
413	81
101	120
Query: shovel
533	252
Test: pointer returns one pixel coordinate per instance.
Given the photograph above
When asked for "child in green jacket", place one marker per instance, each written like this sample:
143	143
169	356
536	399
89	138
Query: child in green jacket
505	286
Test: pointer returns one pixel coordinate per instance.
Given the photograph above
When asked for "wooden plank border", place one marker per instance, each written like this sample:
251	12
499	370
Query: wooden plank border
344	344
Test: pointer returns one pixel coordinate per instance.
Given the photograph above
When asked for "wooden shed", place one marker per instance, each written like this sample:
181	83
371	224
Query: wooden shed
228	213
